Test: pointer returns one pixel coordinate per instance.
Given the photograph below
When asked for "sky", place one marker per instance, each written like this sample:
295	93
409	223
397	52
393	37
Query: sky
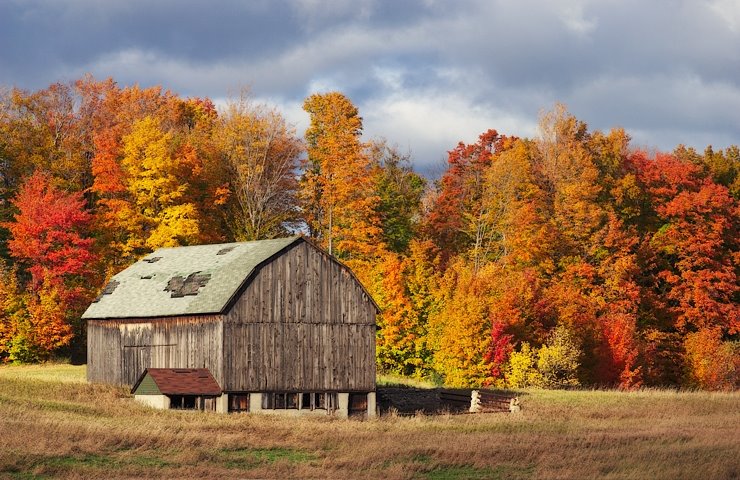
424	74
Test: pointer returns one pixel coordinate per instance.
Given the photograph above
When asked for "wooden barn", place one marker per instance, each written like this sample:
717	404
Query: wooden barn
279	325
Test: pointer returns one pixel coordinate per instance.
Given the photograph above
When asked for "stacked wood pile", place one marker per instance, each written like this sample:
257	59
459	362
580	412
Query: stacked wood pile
410	401
454	401
482	401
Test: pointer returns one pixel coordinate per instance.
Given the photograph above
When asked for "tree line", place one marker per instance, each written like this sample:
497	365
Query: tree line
572	258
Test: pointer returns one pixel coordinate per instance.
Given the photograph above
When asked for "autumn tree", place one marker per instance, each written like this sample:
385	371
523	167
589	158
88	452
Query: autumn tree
400	192
499	351
13	318
617	296
153	214
337	191
460	332
521	369
124	117
39	132
401	336
712	363
337	194
696	242
408	293
558	361
196	140
568	173
511	225
722	166
49	238
455	220
261	153
49	232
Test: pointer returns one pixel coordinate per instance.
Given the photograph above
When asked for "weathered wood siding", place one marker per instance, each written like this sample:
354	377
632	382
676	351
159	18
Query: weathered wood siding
303	323
118	351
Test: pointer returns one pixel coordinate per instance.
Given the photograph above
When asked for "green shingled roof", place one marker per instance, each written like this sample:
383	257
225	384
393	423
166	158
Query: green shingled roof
147	288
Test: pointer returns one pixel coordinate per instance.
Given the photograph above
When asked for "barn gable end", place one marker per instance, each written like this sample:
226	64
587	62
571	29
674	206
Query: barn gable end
303	322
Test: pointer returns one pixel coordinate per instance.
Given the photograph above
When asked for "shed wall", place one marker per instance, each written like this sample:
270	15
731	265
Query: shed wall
120	350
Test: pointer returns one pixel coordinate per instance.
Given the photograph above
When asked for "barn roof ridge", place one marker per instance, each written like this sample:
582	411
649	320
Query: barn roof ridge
189	280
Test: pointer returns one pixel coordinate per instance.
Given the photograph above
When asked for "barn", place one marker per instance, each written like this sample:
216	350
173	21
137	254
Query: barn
280	326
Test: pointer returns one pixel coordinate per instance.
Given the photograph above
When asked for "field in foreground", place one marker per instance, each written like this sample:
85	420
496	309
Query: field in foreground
53	424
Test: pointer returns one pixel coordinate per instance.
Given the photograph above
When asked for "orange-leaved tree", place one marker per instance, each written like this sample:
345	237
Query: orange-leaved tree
337	191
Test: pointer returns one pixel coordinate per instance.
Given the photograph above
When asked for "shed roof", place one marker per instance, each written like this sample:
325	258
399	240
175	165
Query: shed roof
180	381
189	280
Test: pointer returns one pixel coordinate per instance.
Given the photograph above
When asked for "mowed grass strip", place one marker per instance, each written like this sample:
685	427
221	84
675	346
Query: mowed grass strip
58	426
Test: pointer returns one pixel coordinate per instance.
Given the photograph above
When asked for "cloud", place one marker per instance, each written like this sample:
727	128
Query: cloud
424	73
430	124
727	11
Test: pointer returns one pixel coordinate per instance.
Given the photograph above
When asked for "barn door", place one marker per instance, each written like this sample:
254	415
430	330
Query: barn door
136	339
135	360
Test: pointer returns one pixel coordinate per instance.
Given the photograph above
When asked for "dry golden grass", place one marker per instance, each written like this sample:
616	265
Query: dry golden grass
54	425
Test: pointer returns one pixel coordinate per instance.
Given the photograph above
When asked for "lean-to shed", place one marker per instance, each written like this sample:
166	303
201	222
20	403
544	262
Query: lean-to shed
279	324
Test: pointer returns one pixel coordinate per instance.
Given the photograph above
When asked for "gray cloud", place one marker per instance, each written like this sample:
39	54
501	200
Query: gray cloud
424	73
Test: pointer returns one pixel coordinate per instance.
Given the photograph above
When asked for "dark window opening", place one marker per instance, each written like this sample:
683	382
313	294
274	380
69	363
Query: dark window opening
238	402
314	400
279	401
192	402
357	404
184	402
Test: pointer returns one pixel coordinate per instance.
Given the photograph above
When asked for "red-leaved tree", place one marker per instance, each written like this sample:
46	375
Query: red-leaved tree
49	237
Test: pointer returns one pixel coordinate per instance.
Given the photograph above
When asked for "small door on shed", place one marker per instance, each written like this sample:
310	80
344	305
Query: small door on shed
357	404
135	360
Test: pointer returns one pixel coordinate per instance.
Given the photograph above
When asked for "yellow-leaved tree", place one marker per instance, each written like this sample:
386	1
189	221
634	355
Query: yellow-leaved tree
260	153
460	332
157	213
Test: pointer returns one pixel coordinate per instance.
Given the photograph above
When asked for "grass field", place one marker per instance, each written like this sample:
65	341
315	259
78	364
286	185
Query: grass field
54	425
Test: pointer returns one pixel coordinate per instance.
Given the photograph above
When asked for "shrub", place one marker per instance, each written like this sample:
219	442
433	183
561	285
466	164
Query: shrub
521	371
23	350
559	360
711	363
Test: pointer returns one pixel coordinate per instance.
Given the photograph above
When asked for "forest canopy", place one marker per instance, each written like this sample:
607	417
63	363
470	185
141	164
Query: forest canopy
572	258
